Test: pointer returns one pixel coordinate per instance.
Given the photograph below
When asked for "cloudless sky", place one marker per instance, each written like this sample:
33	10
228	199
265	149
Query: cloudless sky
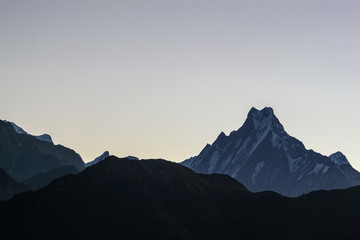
160	79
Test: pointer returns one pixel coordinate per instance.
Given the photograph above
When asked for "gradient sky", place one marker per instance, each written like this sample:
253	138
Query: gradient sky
160	79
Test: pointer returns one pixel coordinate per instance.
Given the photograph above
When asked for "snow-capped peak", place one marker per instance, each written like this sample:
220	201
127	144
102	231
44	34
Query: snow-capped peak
265	110
338	158
98	159
18	129
45	138
263	156
264	120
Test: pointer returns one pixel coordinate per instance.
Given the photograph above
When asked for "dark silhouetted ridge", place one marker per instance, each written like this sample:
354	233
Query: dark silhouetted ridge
126	199
42	179
157	199
9	186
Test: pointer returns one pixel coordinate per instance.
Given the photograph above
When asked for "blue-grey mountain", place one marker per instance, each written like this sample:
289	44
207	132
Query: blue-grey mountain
9	186
34	158
263	157
98	159
40	180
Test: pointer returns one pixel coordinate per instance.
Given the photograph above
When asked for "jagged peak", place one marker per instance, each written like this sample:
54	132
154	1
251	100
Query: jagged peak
264	119
19	130
265	113
265	110
220	139
221	136
338	158
45	138
98	159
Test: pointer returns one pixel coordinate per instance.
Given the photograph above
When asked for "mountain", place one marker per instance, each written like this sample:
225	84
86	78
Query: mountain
23	156
157	199
9	186
19	130
263	157
122	199
104	156
339	159
132	158
40	180
98	159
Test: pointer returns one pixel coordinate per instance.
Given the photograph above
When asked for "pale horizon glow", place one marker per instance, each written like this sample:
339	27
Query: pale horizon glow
161	79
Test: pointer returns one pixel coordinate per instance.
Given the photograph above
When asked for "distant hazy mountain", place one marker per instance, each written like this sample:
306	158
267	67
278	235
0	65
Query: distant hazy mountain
104	156
23	156
40	180
263	157
9	186
156	199
98	159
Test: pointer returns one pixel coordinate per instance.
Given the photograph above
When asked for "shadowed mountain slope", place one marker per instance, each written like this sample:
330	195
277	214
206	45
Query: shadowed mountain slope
9	186
40	180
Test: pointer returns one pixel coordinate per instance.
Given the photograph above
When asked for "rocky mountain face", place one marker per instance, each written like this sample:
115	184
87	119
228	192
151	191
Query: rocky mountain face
263	157
23	156
156	199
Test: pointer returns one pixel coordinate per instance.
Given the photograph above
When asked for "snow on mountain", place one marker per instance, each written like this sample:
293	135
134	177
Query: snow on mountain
338	158
23	155
19	130
262	156
45	138
98	159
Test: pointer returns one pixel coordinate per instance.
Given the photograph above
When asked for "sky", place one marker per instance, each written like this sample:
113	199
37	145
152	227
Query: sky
161	79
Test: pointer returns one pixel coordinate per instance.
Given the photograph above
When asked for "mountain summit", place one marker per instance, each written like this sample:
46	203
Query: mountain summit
98	159
263	156
23	156
19	130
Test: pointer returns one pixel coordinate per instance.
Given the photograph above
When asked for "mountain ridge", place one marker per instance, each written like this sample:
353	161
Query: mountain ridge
158	199
35	159
98	159
19	130
23	156
263	156
10	186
